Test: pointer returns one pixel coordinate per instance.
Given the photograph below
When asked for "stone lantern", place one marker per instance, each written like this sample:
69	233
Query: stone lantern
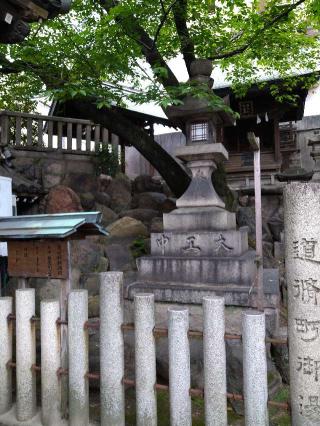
200	251
200	122
195	117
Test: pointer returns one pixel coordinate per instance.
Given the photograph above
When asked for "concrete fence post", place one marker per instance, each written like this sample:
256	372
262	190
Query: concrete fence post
179	367
145	360
78	358
302	255
5	354
50	362
214	357
111	349
25	354
255	383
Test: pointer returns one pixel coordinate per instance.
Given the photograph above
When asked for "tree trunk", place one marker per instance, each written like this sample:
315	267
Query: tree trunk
131	134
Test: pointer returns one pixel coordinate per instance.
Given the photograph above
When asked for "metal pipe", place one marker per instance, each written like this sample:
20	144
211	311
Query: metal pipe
159	332
193	391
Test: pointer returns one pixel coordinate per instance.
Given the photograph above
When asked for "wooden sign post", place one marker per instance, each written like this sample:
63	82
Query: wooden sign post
40	246
255	145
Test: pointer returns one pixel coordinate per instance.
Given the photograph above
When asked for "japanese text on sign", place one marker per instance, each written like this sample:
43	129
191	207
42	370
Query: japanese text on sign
43	259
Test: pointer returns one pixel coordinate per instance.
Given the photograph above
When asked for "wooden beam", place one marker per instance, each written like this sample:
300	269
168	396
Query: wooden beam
30	6
276	132
255	144
253	141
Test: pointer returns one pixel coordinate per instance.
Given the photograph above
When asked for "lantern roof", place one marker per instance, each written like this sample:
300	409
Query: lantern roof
196	107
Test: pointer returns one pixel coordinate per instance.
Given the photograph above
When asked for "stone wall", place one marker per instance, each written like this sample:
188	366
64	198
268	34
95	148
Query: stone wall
50	168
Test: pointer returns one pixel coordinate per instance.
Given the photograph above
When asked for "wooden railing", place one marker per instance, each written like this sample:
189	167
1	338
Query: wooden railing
47	133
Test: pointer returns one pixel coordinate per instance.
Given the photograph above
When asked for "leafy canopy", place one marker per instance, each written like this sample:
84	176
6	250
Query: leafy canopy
116	51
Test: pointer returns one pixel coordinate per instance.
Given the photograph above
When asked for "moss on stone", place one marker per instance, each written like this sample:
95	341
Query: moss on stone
277	417
251	242
140	247
219	180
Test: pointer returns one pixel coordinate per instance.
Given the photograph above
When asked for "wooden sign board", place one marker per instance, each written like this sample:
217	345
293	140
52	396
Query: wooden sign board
40	259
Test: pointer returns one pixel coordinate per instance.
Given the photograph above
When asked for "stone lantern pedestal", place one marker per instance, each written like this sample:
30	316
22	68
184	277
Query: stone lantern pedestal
200	200
201	252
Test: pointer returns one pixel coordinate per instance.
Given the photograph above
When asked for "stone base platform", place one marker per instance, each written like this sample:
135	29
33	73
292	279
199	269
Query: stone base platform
239	270
193	293
201	243
190	219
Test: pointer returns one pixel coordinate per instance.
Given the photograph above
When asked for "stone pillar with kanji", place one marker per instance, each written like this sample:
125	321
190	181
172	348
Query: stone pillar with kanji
302	259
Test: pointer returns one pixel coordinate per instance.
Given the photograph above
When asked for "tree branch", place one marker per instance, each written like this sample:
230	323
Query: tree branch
252	39
162	6
131	134
162	22
7	67
51	80
132	28
187	46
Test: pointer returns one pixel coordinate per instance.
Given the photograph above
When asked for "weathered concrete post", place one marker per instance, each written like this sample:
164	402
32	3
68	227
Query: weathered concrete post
214	358
50	363
179	367
25	354
111	349
5	354
302	254
78	358
145	360
255	380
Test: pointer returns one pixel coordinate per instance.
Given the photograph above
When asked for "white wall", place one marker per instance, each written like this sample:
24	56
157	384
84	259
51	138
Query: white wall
5	205
137	165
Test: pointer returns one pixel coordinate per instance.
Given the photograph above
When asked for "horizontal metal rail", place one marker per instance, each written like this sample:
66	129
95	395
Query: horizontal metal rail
196	392
158	331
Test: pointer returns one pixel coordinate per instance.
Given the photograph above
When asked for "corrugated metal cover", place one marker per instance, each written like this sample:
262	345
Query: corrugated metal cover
60	225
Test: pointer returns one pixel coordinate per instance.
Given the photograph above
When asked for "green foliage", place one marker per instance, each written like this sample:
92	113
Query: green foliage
280	417
163	409
107	160
140	247
277	417
15	92
96	51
